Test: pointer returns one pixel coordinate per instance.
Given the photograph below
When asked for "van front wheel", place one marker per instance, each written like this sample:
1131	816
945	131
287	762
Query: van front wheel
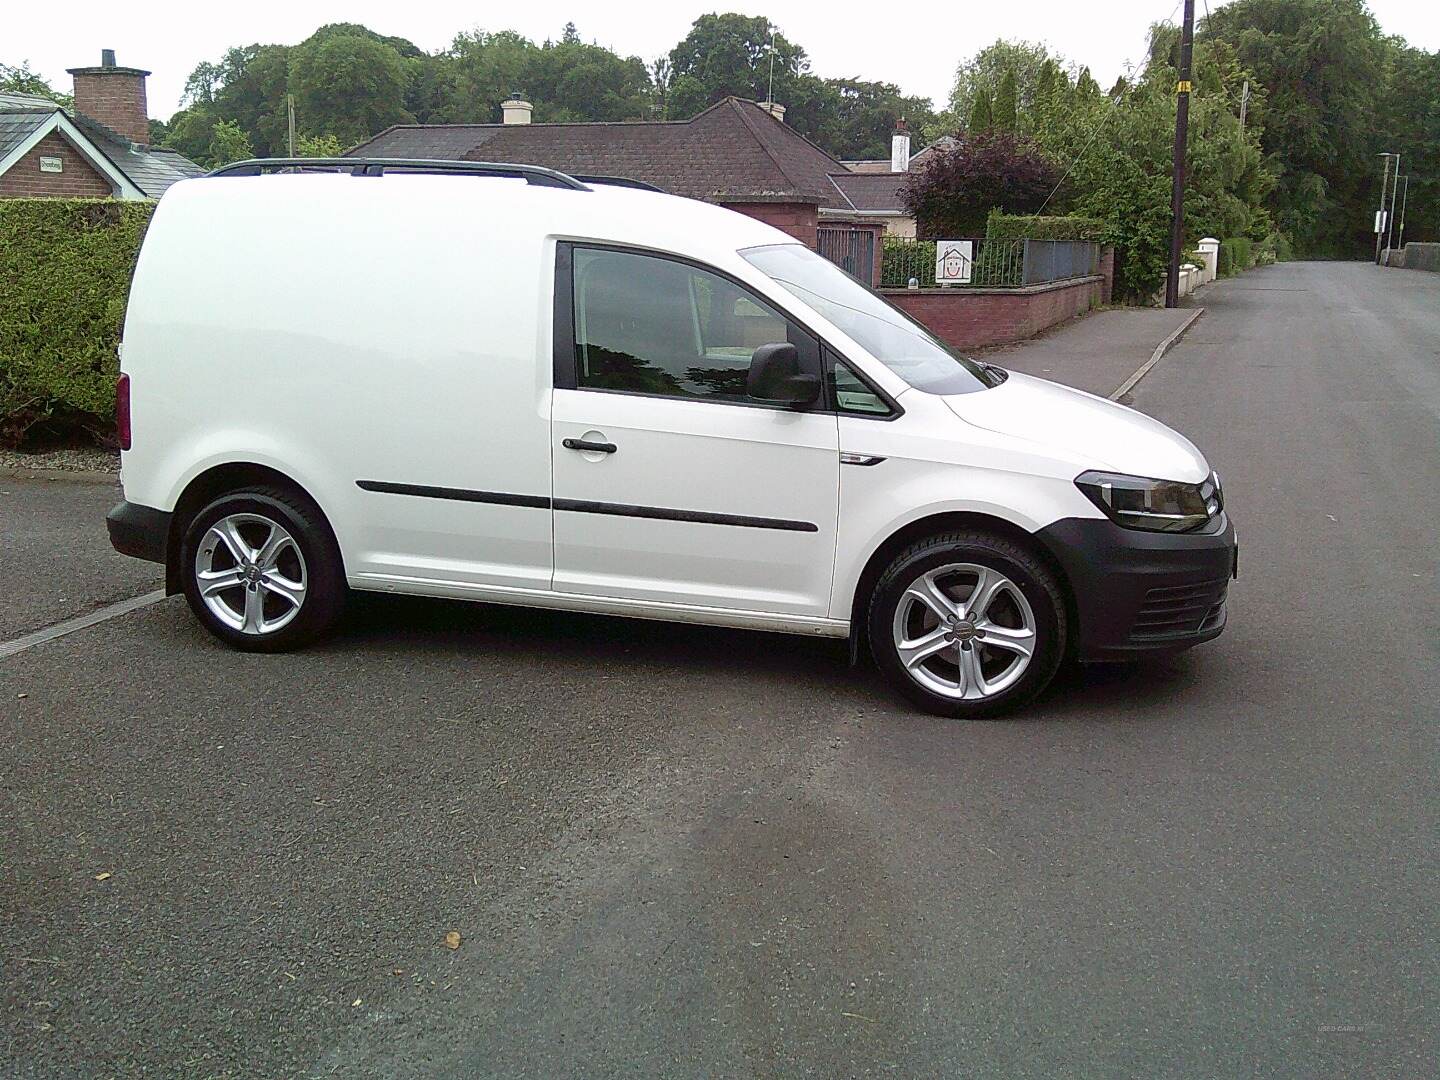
967	624
261	570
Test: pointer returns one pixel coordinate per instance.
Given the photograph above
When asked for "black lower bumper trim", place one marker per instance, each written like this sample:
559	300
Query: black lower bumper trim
139	531
1138	593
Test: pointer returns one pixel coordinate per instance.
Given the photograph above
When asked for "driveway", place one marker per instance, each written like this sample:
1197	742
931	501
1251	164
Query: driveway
687	852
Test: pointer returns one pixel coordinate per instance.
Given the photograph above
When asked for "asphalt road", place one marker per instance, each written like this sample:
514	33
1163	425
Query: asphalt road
686	852
55	559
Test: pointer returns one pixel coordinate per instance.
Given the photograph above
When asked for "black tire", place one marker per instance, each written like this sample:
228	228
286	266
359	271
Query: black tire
325	589
1029	573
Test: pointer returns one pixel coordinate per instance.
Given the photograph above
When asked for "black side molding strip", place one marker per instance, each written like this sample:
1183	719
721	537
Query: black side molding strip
581	506
701	517
501	498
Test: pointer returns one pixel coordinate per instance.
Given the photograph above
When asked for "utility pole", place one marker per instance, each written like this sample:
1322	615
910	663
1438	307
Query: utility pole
1380	214
290	119
1182	124
1244	103
1390	221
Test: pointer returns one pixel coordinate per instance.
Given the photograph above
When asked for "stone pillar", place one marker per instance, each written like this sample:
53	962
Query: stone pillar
1209	254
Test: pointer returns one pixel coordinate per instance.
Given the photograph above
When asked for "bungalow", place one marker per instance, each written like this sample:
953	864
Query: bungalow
739	154
99	148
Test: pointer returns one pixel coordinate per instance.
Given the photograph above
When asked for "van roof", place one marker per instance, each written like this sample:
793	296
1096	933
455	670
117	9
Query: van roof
604	208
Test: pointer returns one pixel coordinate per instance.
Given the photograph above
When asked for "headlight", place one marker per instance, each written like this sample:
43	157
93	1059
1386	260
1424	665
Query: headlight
1137	502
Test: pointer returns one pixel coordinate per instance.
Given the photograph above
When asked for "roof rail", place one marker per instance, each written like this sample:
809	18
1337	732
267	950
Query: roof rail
357	166
619	181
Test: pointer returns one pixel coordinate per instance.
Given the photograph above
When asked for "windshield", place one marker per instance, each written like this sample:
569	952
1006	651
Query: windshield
886	332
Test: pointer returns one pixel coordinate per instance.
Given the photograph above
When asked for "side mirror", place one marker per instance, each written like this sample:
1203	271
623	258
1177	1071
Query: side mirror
775	376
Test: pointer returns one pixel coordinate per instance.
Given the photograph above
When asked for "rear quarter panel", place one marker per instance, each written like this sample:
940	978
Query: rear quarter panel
335	333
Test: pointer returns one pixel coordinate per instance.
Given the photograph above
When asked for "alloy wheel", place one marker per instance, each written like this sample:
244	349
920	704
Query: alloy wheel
250	573
964	631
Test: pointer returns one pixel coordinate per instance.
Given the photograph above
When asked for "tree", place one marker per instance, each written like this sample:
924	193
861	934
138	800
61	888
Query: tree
205	79
983	72
736	55
253	82
1120	154
348	84
19	79
860	117
189	132
573	81
318	146
1003	111
228	143
1409	124
982	171
981	117
480	70
1322	62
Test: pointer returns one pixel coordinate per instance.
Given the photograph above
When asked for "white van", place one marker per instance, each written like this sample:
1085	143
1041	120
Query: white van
501	383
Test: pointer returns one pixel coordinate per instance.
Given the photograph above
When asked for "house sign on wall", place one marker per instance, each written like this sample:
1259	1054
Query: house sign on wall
52	164
953	261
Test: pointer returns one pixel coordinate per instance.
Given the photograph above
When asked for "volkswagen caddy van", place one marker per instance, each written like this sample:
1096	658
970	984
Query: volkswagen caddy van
505	384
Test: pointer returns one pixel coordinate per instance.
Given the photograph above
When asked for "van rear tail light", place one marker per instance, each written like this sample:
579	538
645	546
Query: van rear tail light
122	411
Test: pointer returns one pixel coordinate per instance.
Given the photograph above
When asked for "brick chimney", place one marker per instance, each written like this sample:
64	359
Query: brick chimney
774	108
115	96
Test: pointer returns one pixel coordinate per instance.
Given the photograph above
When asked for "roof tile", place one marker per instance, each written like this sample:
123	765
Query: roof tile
732	151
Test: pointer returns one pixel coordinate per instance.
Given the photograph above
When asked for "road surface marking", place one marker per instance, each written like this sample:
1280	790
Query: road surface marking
80	622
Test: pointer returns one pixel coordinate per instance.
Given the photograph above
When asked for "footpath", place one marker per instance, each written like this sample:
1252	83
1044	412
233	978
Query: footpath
1101	353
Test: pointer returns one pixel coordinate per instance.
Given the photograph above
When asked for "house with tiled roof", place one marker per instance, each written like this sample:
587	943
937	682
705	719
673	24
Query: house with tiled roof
877	184
739	154
99	148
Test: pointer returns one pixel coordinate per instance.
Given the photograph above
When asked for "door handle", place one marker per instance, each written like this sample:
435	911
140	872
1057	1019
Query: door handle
593	447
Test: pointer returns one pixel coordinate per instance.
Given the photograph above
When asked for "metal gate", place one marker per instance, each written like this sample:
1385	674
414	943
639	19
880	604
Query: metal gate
853	250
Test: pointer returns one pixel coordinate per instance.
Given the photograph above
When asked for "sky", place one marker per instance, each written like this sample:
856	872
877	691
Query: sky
844	39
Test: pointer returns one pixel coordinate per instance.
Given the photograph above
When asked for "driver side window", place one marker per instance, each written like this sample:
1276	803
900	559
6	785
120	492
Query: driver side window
650	325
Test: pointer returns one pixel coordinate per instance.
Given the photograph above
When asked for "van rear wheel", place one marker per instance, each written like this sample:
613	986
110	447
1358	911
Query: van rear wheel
261	570
967	624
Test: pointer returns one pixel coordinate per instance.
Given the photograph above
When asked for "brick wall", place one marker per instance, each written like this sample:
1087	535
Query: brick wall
800	220
78	178
973	318
116	97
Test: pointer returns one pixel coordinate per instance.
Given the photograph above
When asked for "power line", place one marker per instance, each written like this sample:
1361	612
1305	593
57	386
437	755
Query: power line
1130	84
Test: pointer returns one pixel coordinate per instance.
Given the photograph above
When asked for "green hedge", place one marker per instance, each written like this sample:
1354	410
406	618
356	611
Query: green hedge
1235	256
66	266
1022	226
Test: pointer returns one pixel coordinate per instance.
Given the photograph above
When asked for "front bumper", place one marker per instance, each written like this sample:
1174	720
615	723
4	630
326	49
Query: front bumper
1138	593
141	531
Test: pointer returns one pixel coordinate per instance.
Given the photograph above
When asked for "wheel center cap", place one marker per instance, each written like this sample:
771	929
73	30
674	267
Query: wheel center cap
963	630
252	573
